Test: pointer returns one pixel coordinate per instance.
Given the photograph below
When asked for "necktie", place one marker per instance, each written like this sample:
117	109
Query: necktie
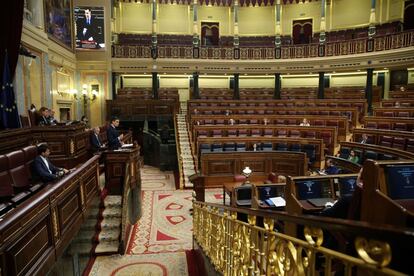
97	139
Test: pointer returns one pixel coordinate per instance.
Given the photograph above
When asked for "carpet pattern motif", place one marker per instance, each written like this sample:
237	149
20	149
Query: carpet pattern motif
166	224
158	241
147	264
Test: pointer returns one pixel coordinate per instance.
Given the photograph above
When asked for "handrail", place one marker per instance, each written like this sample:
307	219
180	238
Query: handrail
340	48
238	247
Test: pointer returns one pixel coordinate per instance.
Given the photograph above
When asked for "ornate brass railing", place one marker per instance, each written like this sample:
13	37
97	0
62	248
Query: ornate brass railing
236	247
340	48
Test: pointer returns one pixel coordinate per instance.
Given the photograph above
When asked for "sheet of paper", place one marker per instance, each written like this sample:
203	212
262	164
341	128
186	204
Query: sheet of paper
127	145
278	201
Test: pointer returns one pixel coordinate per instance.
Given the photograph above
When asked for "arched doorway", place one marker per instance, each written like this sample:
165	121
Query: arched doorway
408	15
302	31
210	33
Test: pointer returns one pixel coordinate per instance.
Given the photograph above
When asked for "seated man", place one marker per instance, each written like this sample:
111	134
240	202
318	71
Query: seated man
51	118
364	139
43	168
96	144
43	117
330	168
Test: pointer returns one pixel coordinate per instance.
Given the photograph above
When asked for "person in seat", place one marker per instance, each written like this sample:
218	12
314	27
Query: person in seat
43	168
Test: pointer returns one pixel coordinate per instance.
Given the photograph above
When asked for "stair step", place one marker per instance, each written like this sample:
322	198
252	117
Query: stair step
110	223
107	247
112	200
111	235
113	212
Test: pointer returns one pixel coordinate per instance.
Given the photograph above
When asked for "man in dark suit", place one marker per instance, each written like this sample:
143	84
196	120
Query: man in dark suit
43	119
364	139
43	168
87	29
96	143
114	139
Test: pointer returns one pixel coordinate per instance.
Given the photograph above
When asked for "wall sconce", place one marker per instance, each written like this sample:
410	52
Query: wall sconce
74	93
94	92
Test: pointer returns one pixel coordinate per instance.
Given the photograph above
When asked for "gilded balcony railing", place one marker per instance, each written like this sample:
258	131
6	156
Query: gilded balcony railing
340	48
261	245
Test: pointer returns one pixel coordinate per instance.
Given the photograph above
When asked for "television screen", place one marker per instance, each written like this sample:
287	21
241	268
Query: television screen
89	26
307	189
400	181
347	185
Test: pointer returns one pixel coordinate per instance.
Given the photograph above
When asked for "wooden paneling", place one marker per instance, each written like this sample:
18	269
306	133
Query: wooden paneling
14	139
320	132
249	141
68	144
218	167
34	234
129	109
275	110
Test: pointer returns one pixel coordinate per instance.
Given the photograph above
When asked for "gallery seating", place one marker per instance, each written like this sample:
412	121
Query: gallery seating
327	134
314	148
16	180
341	122
376	152
403	140
391	123
393	112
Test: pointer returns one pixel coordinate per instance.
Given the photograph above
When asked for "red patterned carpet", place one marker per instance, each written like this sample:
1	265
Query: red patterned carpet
166	224
159	240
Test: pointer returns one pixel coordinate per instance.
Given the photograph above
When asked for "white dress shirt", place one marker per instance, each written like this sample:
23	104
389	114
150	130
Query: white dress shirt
47	163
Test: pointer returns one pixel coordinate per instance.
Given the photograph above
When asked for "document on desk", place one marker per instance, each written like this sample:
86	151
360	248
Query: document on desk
127	145
278	201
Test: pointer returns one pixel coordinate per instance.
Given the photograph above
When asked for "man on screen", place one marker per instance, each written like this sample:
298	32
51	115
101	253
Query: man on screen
87	30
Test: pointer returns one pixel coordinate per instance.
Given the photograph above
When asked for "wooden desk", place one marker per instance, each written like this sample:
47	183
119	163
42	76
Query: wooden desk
123	178
68	144
36	233
14	139
228	188
220	167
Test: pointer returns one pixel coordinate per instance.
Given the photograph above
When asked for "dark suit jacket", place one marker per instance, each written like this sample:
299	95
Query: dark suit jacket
41	171
95	142
91	29
43	121
113	141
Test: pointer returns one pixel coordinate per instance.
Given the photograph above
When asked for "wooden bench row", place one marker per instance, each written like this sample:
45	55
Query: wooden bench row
375	152
350	112
392	123
35	234
360	104
327	134
393	112
397	103
314	148
134	109
403	140
341	122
